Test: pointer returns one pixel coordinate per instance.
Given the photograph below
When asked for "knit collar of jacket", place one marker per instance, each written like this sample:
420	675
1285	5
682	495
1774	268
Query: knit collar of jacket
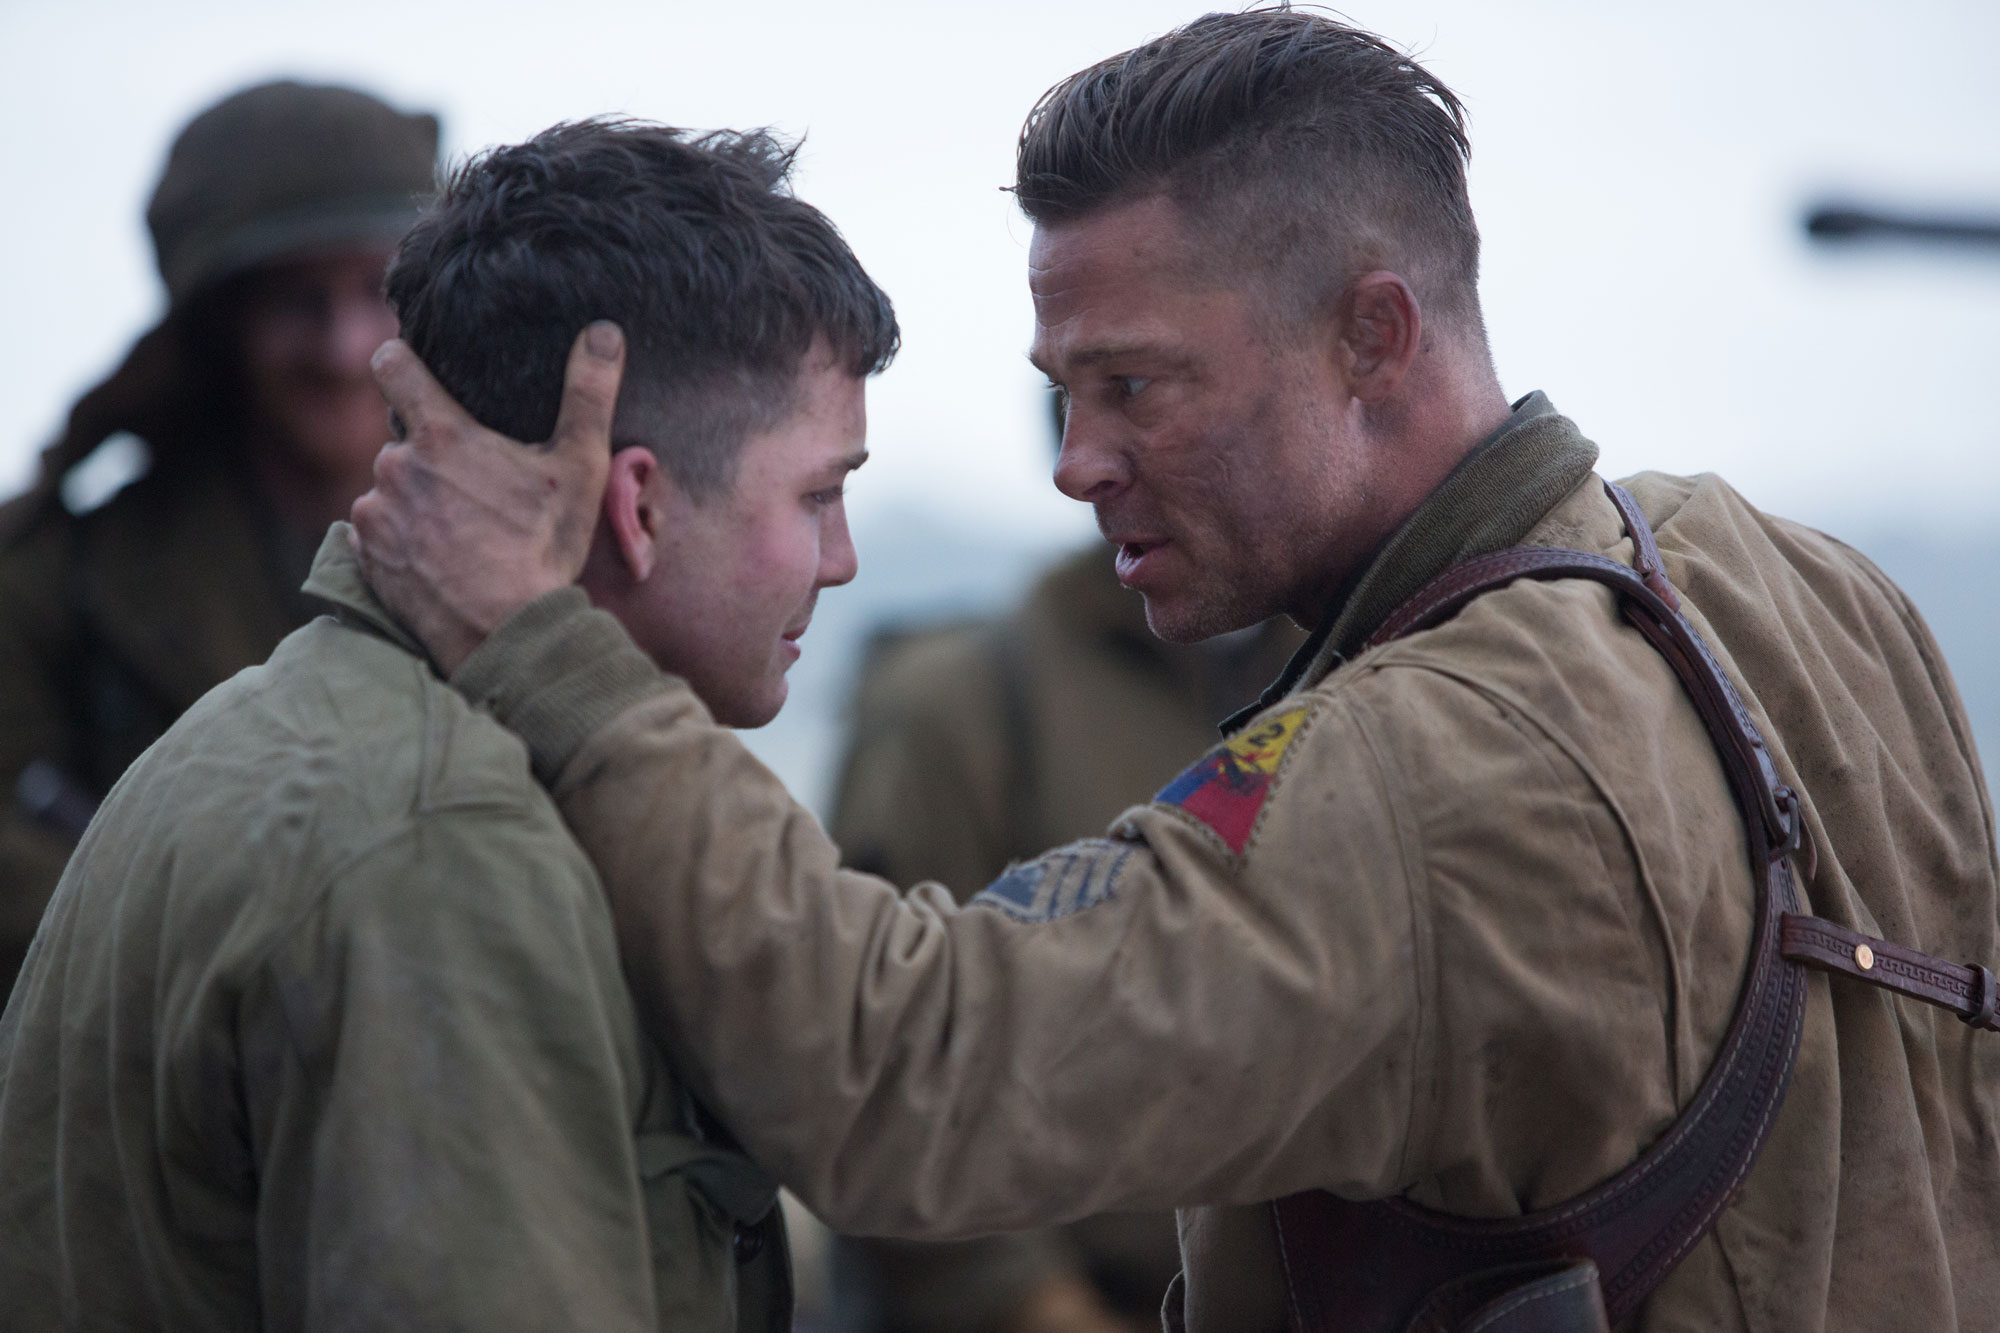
336	578
1491	500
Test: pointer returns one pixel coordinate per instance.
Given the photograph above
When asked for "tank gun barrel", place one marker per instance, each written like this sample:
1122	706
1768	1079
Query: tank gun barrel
1838	223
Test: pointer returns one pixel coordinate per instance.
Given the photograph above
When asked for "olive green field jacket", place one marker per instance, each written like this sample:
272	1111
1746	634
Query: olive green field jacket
325	1029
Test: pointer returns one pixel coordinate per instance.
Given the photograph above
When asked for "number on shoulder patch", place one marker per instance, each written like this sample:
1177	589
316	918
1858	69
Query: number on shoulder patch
1226	788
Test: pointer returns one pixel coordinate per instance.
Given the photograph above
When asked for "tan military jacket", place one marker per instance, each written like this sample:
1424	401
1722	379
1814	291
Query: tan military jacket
1463	920
111	625
325	1030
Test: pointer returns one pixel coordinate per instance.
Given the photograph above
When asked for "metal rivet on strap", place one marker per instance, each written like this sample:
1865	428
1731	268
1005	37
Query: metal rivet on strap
1864	957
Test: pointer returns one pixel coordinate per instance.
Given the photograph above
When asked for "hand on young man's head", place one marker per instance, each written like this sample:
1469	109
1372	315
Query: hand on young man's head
464	526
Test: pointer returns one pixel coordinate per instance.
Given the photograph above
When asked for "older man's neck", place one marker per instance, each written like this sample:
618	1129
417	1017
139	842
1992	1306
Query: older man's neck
1448	405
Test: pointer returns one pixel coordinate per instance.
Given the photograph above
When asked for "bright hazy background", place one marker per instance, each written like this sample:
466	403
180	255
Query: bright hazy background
1639	171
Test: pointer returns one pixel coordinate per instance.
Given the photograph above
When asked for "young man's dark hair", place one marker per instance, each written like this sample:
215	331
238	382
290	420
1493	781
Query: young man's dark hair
1302	151
691	242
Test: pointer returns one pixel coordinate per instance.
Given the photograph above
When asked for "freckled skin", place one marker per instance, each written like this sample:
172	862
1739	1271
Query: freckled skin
1194	424
719	592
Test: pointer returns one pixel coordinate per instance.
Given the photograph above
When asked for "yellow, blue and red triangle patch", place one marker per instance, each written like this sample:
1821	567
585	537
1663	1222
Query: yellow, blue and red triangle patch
1227	787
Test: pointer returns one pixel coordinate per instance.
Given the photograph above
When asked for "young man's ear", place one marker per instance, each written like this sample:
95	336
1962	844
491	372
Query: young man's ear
632	510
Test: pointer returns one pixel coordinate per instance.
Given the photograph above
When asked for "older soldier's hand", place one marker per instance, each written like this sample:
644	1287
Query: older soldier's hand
465	526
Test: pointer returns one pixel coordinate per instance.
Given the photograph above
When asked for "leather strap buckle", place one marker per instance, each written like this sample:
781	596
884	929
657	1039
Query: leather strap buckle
1791	819
1985	999
1792	824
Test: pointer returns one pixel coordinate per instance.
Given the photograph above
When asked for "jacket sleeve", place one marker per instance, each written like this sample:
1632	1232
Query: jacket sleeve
441	1085
921	797
1161	1017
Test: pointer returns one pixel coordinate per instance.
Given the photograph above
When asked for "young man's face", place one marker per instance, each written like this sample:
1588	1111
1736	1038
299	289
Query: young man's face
733	581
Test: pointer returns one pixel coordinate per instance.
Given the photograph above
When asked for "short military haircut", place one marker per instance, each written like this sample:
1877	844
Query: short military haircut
692	242
1302	152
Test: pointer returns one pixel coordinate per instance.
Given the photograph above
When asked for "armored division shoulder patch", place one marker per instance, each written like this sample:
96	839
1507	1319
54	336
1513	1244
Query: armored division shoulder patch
1227	787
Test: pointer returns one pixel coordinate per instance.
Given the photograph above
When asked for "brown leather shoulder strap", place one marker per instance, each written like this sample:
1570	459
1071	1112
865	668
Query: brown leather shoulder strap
1647	562
1380	1265
1772	807
1967	990
1372	1265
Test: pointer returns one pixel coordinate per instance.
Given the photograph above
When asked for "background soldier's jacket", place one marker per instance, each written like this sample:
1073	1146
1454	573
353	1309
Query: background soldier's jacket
112	624
1485	930
325	1029
977	744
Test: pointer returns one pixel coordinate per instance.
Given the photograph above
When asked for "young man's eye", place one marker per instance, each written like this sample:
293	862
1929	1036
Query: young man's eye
828	496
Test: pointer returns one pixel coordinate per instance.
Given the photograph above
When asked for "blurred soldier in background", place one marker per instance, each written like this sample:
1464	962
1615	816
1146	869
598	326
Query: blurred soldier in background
252	409
979	744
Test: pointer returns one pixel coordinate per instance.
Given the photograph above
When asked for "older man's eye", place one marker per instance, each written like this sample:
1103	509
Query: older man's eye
1129	385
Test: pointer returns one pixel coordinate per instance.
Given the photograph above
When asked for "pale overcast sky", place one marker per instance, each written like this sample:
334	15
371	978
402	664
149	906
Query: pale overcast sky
1638	171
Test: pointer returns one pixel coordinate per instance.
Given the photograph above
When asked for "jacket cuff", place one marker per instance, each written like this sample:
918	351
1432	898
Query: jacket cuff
554	673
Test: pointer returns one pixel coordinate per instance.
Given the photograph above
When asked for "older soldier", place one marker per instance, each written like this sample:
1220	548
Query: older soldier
1464	981
271	225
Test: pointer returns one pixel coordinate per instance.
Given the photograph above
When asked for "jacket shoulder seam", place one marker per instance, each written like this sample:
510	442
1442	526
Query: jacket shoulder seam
1421	1119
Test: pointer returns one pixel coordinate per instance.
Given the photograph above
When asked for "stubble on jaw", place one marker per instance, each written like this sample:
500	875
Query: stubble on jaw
1272	553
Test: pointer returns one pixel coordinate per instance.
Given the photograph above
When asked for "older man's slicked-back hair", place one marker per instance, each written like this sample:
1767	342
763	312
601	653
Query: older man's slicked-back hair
692	242
1303	152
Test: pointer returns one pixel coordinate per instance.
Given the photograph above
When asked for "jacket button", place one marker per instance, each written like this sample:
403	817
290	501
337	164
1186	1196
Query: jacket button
749	1243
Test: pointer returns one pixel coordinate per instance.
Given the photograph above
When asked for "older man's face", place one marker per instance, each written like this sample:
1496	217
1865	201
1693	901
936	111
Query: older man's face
1218	454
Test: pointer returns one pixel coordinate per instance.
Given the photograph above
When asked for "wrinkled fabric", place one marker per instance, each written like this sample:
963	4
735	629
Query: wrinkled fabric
325	1029
1469	931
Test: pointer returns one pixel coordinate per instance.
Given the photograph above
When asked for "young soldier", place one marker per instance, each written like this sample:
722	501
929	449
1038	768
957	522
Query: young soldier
325	1026
1445	946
